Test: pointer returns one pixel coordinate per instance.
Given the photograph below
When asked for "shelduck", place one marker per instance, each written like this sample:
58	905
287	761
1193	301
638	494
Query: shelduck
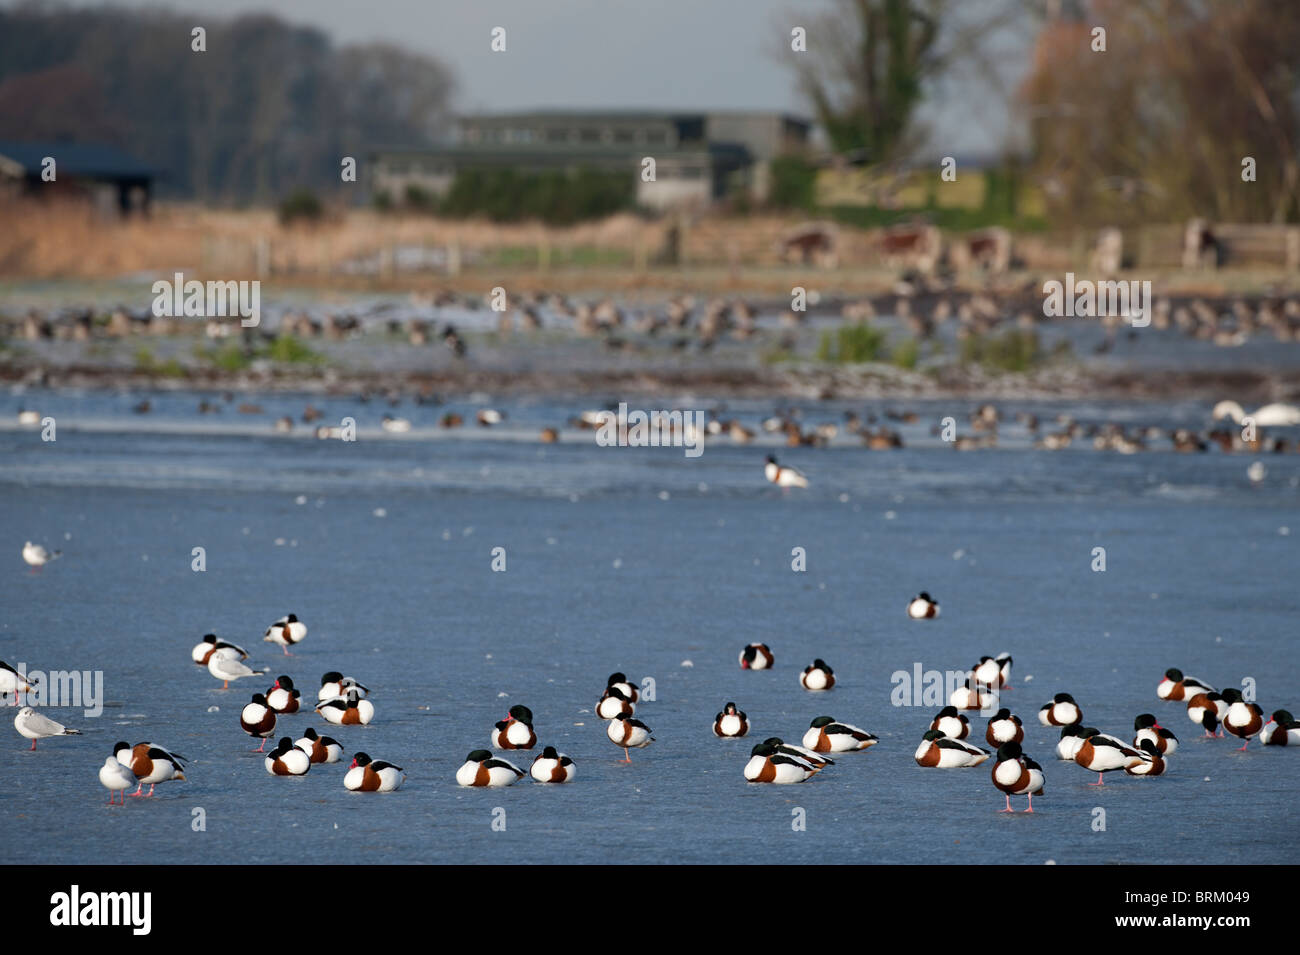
372	776
614	703
347	711
1154	765
767	765
1015	774
817	676
783	476
1067	747
942	752
756	656
1176	686
320	749
923	607
1062	711
516	730
951	724
1147	727
1104	754
287	759
1243	720
282	697
621	683
1282	729
969	697
552	766
1004	728
209	645
799	752
731	722
150	764
629	733
257	719
482	769
286	632
1207	710
824	735
335	684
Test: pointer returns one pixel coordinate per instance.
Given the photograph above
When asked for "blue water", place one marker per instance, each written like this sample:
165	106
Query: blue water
637	560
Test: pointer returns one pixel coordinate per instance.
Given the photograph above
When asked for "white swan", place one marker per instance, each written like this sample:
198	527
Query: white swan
1275	415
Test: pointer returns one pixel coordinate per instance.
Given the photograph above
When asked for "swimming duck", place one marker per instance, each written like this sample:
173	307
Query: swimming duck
767	765
756	656
620	682
1154	765
943	752
969	697
257	719
1147	727
204	650
1104	754
372	776
320	749
627	732
516	730
1282	729
11	681
150	764
1175	686
347	711
1004	728
783	476
552	766
1243	720
613	703
481	768
282	697
287	759
951	724
799	752
34	726
730	722
1067	747
115	777
286	632
1015	774
1207	710
334	684
227	666
824	735
817	676
1062	711
923	607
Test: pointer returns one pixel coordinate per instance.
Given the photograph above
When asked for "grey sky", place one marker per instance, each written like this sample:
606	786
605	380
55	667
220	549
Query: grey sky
606	53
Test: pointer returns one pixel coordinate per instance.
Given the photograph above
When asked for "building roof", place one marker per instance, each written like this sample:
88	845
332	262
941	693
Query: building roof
87	160
574	152
628	114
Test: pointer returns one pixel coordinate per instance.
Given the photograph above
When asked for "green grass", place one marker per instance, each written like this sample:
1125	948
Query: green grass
852	344
146	363
906	353
233	357
1010	351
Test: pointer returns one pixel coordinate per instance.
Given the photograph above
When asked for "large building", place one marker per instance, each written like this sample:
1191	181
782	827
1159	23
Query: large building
114	182
698	157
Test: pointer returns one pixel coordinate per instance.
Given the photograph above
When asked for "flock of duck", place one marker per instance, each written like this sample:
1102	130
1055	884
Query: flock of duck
344	701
